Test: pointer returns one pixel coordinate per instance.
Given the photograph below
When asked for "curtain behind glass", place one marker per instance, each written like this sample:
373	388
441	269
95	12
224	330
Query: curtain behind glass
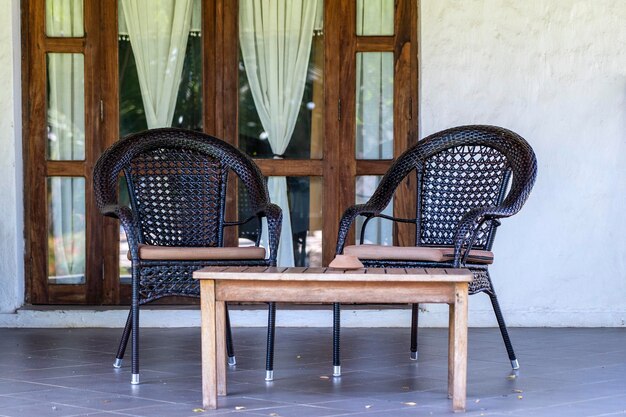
275	38
158	32
66	141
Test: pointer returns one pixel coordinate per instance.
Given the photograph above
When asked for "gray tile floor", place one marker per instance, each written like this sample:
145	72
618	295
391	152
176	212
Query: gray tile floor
68	372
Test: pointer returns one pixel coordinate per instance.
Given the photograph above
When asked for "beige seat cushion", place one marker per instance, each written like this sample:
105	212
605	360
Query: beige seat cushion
414	253
173	253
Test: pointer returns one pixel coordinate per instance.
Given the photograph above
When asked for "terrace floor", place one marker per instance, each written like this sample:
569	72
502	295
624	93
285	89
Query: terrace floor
68	372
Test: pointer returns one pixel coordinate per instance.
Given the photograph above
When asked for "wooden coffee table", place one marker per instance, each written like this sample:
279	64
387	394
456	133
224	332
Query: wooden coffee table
328	285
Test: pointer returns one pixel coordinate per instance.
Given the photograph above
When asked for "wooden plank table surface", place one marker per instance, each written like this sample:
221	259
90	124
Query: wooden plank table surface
329	285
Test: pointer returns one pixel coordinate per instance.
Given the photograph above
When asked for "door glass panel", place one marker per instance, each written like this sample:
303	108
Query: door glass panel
160	67
374	17
305	210
374	105
64	18
378	231
281	103
66	107
66	230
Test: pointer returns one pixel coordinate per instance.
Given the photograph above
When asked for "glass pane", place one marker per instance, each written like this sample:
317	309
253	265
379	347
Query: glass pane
378	231
64	18
66	107
66	230
374	17
305	209
282	115
150	96
374	105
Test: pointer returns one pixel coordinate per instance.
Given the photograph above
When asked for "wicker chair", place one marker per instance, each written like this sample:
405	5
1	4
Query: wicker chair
467	178
177	182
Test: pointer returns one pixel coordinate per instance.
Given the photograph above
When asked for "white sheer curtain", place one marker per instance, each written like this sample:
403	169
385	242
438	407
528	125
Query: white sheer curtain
66	141
275	38
374	108
158	32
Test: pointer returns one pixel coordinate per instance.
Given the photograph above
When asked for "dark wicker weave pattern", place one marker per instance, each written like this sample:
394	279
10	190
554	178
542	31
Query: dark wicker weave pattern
468	177
177	182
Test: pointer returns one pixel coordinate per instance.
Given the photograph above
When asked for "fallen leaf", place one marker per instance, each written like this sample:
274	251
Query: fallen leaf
517	390
519	397
368	406
324	377
239	407
512	376
477	400
274	414
298	357
198	410
411	403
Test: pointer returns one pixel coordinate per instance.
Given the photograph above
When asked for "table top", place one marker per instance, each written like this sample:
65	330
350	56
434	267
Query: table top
263	273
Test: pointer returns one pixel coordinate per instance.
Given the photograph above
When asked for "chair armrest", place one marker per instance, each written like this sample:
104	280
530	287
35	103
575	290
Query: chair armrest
348	218
468	227
274	216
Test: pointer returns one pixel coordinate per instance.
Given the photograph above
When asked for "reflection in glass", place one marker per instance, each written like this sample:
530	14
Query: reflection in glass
66	107
66	230
305	203
378	231
374	17
64	18
374	105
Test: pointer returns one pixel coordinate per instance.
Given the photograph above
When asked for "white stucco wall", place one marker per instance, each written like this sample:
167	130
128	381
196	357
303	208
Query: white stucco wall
554	72
11	203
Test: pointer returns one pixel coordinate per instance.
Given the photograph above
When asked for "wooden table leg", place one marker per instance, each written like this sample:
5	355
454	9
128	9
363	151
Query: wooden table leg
209	368
451	338
460	348
220	334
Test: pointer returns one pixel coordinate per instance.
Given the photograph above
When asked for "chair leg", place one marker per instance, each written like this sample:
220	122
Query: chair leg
134	311
119	357
336	339
503	330
414	320
271	328
232	361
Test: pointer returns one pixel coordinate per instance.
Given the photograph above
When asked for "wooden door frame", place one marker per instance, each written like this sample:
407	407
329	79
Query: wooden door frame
35	46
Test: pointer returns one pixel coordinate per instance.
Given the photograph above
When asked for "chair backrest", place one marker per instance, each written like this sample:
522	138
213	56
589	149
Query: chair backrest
177	183
461	169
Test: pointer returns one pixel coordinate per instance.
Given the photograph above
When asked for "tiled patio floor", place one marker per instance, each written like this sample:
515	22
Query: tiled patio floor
68	372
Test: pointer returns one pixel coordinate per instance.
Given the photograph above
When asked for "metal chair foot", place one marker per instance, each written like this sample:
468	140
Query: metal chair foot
515	364
337	370
134	379
269	375
118	363
232	361
413	356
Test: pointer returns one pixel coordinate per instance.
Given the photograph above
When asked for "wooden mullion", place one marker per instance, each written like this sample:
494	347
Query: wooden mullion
109	134
372	167
291	167
339	143
66	169
375	43
67	45
34	151
405	117
210	67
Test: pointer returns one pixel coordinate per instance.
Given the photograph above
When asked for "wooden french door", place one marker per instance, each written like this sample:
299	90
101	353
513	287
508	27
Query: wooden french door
73	253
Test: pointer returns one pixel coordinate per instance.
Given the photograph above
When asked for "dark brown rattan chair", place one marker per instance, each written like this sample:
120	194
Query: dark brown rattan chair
467	178
177	182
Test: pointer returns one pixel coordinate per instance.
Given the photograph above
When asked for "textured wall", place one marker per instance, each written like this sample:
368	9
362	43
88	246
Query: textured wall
555	72
11	204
